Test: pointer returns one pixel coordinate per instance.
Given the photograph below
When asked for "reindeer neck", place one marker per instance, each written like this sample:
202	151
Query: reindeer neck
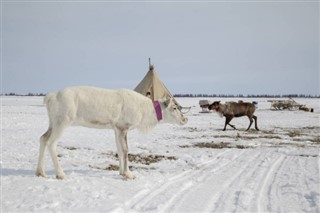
221	108
149	120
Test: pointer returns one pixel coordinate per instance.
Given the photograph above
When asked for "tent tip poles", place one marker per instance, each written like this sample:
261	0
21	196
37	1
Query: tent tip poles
150	65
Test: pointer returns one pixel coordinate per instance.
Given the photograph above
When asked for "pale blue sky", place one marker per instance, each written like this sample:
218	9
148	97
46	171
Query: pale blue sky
213	47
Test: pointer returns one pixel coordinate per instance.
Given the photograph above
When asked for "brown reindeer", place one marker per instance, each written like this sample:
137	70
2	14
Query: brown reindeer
233	109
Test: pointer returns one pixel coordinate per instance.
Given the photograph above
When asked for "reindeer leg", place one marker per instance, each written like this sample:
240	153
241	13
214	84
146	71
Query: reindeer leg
251	120
52	145
50	139
122	146
225	124
57	167
120	151
43	143
231	124
228	119
255	122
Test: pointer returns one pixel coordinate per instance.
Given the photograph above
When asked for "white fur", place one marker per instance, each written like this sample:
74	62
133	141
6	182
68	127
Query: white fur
121	110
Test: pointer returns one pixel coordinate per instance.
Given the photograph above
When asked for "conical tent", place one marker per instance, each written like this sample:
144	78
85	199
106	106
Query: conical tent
151	84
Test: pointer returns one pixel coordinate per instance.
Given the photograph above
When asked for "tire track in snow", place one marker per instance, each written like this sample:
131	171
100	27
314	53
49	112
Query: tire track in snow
267	183
224	196
148	199
179	185
177	200
181	182
288	185
244	191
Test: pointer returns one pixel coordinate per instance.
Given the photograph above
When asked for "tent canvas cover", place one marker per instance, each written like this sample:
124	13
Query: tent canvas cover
151	83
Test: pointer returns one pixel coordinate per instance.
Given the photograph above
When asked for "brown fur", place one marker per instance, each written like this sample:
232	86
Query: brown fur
233	109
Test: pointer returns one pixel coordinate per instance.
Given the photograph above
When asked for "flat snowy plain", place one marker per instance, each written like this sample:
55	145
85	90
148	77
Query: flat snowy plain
192	168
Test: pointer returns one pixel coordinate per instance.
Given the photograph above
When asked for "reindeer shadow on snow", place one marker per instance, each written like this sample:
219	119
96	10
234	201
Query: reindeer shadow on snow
234	109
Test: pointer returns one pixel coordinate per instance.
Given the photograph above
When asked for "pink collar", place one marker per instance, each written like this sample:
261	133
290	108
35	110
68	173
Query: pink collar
157	107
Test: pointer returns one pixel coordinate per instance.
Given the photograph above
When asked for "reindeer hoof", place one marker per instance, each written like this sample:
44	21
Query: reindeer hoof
40	174
128	176
61	176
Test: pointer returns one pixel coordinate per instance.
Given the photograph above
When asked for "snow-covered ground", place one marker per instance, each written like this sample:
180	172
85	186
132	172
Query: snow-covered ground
191	168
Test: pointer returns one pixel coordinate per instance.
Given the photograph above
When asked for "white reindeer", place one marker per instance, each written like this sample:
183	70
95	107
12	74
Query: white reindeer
121	110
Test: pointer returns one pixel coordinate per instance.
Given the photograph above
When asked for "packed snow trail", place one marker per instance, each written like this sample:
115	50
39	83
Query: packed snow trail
235	181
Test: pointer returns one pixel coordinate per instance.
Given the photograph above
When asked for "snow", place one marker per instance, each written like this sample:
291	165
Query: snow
273	170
